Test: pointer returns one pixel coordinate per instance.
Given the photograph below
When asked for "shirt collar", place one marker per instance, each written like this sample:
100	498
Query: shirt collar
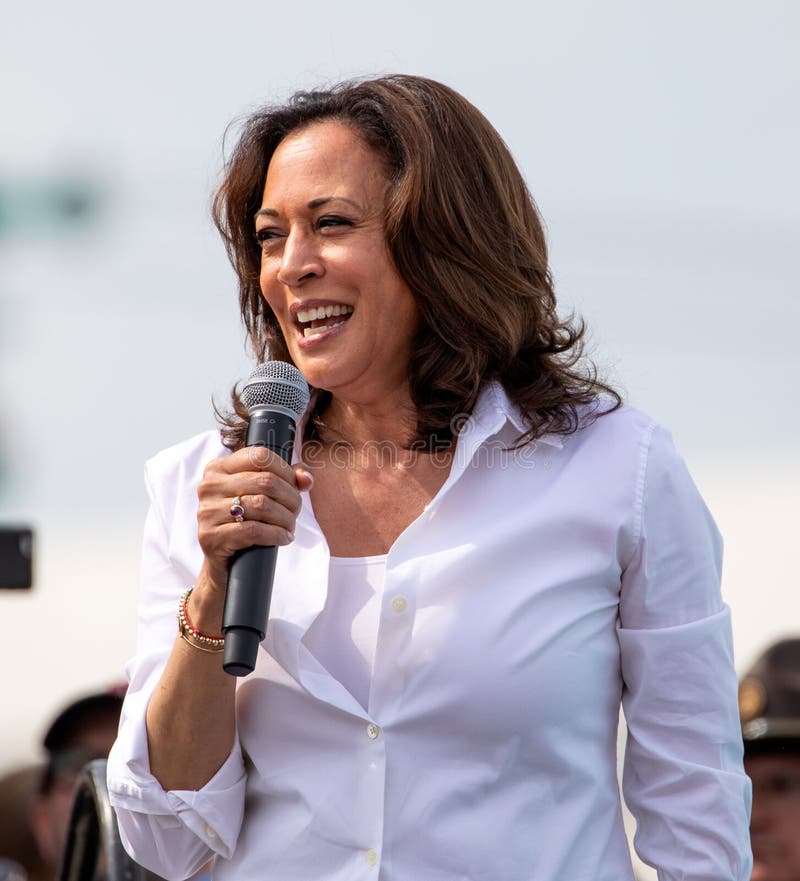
494	408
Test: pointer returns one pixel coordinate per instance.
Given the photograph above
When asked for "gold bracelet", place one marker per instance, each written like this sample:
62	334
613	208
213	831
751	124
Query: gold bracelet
196	645
187	629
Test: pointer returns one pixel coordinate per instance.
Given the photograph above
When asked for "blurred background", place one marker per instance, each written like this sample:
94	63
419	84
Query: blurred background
659	140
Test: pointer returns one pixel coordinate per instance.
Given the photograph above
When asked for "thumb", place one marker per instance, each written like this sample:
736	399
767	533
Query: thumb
304	478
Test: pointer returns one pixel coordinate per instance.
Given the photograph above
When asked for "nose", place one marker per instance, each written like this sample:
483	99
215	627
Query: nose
300	260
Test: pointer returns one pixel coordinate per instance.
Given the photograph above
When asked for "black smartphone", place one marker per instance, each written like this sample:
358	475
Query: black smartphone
16	557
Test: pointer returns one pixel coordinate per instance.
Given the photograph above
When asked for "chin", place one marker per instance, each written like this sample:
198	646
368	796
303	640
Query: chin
317	375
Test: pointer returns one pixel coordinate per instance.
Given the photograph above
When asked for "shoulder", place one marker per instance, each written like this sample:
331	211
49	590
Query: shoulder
629	445
173	474
186	459
597	423
625	432
629	433
614	457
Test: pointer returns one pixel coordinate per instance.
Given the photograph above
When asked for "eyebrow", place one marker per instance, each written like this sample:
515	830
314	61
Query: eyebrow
314	203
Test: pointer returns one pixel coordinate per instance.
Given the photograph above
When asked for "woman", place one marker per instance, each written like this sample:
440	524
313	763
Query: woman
483	553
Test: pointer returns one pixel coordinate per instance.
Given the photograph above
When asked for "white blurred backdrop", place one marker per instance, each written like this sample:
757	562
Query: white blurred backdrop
659	140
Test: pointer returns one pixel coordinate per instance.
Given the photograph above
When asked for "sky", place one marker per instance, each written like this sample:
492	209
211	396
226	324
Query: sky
660	142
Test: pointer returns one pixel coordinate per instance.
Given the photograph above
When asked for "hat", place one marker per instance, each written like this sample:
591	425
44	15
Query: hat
69	722
66	739
769	700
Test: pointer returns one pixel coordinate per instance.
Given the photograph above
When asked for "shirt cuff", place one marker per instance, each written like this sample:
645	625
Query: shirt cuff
213	813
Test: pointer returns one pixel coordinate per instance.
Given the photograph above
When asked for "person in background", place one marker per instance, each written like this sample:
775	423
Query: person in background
82	731
482	552
19	854
769	706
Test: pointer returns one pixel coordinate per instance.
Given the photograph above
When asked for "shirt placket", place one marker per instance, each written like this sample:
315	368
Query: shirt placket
395	628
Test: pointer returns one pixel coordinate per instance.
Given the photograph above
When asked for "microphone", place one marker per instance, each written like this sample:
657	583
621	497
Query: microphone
276	397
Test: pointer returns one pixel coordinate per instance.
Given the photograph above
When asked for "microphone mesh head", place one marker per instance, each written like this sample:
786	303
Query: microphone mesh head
276	385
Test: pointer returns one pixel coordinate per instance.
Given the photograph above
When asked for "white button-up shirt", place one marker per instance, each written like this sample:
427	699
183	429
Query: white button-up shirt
537	590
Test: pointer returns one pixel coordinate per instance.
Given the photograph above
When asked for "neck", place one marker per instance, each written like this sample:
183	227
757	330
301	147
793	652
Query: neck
357	423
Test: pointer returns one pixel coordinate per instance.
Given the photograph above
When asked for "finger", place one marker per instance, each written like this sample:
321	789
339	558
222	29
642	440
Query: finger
255	459
222	541
269	486
303	477
263	496
218	490
221	515
253	532
267	510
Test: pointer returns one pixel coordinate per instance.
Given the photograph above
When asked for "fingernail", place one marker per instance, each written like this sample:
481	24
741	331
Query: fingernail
290	535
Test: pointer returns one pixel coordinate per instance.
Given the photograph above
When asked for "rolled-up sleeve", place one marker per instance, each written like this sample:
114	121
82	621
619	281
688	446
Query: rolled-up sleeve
683	777
173	833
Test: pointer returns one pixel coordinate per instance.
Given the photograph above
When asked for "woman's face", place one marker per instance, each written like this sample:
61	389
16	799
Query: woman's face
347	316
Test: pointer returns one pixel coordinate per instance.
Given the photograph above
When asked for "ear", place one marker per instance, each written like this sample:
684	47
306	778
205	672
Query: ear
44	829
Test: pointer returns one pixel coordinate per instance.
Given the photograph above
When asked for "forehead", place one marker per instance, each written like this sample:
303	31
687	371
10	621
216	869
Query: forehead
325	154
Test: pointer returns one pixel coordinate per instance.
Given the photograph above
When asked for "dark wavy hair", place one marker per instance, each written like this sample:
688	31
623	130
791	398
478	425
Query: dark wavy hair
465	235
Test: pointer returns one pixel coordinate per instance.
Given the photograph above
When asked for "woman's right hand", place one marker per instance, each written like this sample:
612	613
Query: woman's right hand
269	490
194	693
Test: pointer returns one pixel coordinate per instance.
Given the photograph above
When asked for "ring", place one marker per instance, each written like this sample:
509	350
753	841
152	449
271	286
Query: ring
237	510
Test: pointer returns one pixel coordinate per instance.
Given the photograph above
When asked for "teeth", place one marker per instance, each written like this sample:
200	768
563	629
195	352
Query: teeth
316	331
315	313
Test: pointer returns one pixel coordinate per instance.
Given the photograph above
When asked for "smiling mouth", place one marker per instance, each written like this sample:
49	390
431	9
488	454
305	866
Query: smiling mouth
317	319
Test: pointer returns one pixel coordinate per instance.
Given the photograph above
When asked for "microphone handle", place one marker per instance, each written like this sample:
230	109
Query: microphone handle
244	621
251	571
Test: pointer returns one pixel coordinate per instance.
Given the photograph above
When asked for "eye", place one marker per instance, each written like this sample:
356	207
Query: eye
332	220
267	234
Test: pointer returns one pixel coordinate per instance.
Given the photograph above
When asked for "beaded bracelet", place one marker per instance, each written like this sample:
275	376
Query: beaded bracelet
191	635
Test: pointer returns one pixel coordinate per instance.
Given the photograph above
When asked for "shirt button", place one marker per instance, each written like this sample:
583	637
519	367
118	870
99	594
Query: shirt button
399	604
372	733
372	857
210	832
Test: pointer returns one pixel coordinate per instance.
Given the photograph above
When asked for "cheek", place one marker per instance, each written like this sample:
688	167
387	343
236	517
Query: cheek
272	295
266	281
406	314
